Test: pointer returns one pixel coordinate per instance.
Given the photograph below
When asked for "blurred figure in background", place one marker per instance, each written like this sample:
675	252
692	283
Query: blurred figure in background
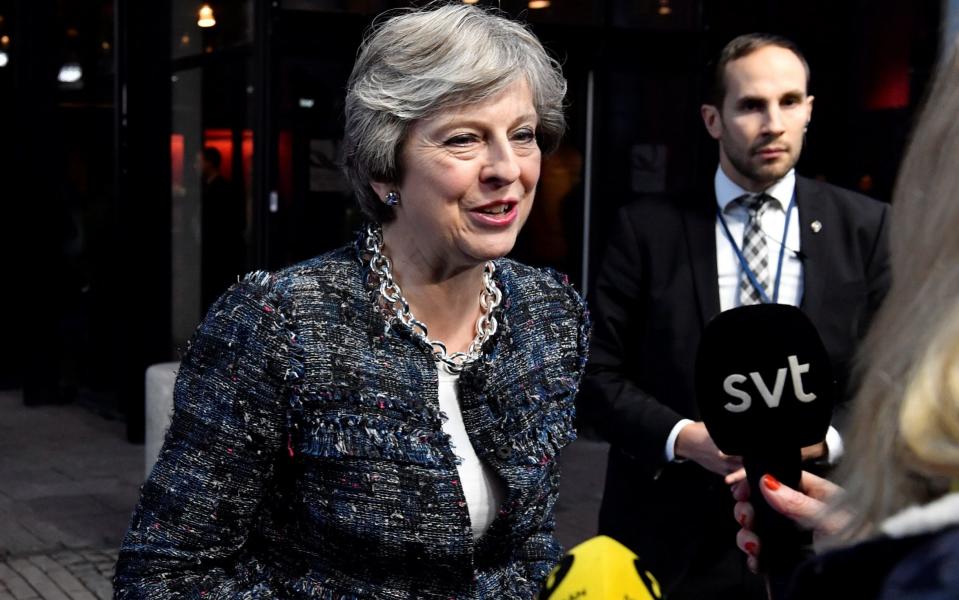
222	228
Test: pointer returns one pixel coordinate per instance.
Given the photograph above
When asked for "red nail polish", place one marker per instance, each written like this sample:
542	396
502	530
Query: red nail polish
771	482
742	520
751	548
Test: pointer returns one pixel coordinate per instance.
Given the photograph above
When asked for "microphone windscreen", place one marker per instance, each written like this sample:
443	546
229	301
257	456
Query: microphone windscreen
600	568
763	379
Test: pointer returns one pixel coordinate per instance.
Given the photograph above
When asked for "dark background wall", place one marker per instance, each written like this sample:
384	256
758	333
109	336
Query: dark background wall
88	195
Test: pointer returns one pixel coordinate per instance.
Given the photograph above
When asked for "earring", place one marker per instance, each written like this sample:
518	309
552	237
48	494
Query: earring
392	198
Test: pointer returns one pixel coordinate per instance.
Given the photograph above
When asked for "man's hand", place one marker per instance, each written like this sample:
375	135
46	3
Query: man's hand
814	452
695	444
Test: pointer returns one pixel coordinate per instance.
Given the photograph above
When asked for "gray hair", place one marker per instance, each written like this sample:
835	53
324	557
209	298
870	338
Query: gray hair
422	61
903	445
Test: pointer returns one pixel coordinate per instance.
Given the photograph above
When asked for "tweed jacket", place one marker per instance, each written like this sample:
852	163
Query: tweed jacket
306	459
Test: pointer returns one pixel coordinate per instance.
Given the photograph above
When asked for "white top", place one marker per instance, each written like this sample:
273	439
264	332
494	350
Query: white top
916	520
481	486
729	268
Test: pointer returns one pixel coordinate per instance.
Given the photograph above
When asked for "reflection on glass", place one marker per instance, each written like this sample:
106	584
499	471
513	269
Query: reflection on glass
199	28
185	142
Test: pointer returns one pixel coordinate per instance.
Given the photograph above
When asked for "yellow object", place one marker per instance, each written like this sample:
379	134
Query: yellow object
603	569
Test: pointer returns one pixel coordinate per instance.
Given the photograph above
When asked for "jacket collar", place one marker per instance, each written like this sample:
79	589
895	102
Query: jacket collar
916	520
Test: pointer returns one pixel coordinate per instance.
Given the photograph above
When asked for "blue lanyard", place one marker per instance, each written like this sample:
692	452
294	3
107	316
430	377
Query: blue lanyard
745	265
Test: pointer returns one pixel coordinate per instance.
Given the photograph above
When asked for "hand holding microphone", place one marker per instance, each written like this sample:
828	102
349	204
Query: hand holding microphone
694	443
808	506
765	390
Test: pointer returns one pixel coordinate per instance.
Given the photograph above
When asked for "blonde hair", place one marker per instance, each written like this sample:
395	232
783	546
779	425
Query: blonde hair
904	440
929	418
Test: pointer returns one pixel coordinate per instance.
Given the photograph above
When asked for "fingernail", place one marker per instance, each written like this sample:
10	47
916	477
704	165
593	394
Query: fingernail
771	482
751	548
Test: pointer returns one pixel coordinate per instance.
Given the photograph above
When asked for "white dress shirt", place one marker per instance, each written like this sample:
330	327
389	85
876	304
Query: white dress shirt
729	268
773	223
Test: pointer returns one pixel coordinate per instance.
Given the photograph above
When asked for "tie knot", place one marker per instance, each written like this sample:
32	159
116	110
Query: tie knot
753	202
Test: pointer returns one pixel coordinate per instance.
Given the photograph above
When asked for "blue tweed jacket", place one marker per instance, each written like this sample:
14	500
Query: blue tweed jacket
306	458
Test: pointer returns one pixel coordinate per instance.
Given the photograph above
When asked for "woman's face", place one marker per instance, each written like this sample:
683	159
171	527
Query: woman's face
469	176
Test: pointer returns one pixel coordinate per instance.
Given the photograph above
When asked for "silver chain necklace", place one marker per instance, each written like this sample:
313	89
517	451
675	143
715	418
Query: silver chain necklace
392	296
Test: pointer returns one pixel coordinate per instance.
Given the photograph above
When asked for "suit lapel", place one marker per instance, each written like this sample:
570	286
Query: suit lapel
812	244
699	221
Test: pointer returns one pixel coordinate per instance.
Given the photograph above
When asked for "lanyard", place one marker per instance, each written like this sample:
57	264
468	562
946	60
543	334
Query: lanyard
745	265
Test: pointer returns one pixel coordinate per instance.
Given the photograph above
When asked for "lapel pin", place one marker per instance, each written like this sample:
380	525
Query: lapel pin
816	226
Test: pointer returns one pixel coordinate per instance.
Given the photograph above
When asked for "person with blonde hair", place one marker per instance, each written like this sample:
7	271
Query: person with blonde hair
384	421
897	503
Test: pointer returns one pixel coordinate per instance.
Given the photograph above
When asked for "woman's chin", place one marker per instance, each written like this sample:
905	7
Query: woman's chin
493	247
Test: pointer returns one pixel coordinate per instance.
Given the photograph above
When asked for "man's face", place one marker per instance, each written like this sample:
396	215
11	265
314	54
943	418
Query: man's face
761	123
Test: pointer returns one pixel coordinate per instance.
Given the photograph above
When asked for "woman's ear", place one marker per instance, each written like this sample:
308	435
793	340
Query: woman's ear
382	188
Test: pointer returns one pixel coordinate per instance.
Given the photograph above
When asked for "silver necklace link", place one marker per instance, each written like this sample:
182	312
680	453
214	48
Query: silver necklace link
392	296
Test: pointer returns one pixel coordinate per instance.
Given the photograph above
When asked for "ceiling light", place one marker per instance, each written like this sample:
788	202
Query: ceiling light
4	41
664	8
206	16
470	1
70	72
534	4
4	59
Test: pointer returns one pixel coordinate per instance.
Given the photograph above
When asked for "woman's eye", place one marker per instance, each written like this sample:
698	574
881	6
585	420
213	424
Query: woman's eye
461	140
525	135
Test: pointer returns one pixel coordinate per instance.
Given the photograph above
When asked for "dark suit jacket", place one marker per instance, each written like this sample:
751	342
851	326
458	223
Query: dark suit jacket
655	292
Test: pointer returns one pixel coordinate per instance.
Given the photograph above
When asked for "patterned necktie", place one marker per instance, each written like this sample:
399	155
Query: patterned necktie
754	249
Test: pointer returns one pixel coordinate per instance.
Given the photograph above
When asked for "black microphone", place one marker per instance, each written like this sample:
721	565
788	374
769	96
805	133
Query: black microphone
765	389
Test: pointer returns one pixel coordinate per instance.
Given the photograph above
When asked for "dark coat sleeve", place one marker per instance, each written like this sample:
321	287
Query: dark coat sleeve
878	273
620	411
199	505
539	552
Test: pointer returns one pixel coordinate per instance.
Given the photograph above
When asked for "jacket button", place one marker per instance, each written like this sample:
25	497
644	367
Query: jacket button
504	452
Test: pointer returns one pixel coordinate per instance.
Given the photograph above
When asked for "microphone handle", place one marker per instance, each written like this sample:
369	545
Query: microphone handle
783	545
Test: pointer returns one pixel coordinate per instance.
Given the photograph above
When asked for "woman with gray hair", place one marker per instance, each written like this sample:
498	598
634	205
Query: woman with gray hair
384	421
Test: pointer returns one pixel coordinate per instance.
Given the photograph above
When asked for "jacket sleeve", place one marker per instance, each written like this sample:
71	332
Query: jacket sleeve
610	402
541	551
199	504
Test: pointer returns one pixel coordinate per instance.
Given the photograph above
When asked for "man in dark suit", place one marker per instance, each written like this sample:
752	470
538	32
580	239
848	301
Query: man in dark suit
673	264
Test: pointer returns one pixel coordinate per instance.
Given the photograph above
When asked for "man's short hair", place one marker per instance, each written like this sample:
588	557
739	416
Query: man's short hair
739	47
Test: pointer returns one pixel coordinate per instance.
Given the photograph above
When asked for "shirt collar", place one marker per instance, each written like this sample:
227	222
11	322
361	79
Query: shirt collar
727	190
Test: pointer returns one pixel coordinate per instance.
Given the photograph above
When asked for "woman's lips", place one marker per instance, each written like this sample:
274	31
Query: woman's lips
495	214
